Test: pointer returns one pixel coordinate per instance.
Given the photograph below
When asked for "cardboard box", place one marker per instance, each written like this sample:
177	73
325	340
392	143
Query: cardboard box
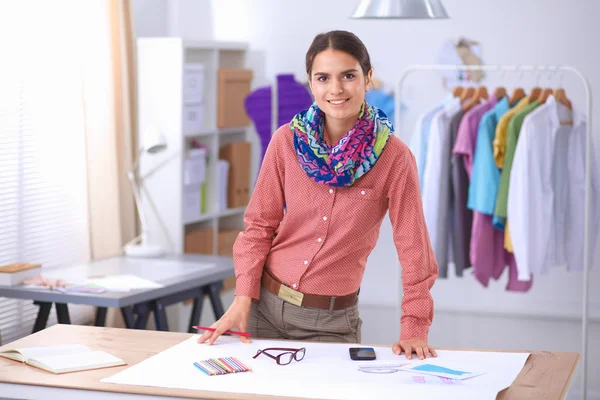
199	241
226	239
238	155
233	87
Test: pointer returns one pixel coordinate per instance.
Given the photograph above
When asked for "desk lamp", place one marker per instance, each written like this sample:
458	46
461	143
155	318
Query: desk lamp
139	246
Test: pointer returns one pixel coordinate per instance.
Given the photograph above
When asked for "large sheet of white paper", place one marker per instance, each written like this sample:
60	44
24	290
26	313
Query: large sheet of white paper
326	372
123	283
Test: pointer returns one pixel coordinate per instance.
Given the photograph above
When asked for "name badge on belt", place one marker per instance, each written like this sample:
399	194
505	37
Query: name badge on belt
290	295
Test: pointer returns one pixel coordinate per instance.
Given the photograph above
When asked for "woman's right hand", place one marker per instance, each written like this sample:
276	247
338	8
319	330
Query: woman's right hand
236	317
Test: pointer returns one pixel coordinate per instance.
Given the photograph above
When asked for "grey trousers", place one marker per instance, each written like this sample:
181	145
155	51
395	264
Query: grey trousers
274	318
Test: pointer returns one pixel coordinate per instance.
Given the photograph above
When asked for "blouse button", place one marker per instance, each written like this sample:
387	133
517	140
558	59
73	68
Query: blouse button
325	218
362	192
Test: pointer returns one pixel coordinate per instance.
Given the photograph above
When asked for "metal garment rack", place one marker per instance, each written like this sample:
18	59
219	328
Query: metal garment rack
588	179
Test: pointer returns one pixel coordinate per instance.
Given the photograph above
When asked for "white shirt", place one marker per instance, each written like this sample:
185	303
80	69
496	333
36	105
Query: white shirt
437	178
546	203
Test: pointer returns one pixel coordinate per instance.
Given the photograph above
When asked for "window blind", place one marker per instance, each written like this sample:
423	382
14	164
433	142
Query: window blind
43	183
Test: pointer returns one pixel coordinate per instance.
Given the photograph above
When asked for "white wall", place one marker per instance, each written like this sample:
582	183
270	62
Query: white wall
511	32
150	18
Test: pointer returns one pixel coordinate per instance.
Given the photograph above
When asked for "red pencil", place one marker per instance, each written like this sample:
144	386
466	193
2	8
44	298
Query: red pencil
206	328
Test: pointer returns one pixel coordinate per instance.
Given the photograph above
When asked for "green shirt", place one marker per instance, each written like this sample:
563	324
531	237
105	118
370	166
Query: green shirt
514	128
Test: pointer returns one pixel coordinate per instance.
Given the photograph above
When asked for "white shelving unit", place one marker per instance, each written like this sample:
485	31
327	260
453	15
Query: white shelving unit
184	112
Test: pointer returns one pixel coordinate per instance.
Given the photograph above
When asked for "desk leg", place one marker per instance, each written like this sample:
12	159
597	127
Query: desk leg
100	316
42	317
160	316
143	312
128	317
196	311
62	313
215	299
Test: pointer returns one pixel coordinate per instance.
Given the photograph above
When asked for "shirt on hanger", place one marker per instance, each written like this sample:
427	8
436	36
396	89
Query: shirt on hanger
420	139
485	178
514	128
467	133
461	218
486	253
321	243
436	191
546	203
502	131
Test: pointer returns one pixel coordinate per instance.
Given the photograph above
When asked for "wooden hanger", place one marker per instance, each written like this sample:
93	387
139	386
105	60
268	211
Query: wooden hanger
457	91
516	96
480	93
467	94
535	93
561	97
544	95
500	92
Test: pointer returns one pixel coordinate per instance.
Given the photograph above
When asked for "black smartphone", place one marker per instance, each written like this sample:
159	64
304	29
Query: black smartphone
362	353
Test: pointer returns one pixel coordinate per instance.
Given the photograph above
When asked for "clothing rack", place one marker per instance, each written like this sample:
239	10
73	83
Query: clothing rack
588	179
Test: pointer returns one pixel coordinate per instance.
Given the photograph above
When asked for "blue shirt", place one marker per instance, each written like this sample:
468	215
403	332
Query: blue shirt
485	178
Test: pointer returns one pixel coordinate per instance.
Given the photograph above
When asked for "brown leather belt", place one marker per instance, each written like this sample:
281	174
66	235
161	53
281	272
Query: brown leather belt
290	295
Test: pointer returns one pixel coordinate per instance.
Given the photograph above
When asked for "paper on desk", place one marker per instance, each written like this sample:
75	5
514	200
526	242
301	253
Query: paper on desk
328	368
123	283
443	368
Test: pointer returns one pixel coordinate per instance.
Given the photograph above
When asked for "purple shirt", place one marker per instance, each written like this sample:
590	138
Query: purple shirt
467	133
489	257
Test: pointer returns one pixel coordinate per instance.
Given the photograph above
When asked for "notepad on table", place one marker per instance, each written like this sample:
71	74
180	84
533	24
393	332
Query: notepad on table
60	359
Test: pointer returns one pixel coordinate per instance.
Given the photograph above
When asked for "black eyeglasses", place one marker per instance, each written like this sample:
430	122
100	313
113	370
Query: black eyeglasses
286	357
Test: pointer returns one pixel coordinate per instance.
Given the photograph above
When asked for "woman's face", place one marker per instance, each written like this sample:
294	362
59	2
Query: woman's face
338	84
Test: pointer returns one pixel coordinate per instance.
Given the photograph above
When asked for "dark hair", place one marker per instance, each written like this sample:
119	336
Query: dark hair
344	41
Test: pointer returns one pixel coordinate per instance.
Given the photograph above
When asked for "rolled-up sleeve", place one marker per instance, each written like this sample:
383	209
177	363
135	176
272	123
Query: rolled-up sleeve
263	215
419	266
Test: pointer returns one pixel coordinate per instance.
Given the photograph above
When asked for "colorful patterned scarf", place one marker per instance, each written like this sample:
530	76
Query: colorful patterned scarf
354	155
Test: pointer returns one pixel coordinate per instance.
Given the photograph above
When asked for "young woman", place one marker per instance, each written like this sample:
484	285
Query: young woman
326	182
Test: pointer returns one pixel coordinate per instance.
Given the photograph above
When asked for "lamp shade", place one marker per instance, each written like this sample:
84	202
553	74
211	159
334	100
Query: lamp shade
154	141
400	9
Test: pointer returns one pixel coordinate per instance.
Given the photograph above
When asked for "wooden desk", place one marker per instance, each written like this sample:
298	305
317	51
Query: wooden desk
546	375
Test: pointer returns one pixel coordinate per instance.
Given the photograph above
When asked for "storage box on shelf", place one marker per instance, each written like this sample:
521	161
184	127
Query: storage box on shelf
234	86
193	91
200	241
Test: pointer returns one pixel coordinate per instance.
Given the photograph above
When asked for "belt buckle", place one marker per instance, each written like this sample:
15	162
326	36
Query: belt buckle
290	295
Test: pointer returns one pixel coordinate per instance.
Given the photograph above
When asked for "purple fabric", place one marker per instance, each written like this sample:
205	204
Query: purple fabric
489	257
467	133
487	249
292	98
514	284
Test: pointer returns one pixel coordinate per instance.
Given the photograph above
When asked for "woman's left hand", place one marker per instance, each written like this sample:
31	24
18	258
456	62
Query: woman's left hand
418	346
